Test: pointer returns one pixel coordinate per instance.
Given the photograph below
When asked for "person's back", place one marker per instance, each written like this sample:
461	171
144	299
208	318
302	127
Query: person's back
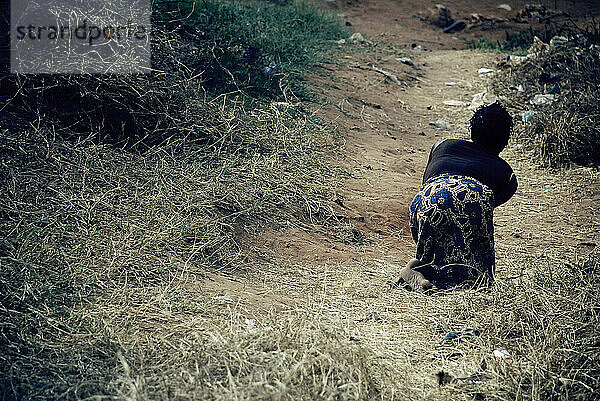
455	156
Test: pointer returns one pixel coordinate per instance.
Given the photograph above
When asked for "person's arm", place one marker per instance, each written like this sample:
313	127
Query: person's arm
508	191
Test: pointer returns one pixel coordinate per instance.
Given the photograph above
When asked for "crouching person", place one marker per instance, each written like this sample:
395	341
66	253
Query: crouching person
451	218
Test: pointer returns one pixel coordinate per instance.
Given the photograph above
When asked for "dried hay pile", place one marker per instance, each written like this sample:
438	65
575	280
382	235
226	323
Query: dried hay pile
567	130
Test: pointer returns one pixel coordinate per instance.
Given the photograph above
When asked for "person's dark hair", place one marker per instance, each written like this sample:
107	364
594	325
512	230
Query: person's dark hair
491	127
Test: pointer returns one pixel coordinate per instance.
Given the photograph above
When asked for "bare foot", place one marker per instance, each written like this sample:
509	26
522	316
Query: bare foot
413	278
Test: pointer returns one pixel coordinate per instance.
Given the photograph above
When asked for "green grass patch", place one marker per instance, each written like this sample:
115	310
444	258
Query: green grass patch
258	48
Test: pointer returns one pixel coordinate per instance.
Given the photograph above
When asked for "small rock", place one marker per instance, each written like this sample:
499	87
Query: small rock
224	299
357	38
558	41
503	355
527	115
440	125
482	99
271	68
341	41
453	84
455	27
543	100
505	7
440	15
485	71
475	19
388	75
406	60
452	102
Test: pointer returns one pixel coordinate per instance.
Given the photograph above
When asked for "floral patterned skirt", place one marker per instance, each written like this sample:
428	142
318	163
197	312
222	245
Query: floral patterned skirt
451	221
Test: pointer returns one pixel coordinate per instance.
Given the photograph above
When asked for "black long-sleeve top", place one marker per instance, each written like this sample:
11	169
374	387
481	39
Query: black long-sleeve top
455	156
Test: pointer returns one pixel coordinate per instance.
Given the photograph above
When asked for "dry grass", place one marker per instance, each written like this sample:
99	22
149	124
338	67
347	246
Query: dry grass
81	222
135	111
103	251
568	131
543	307
352	336
103	303
119	191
